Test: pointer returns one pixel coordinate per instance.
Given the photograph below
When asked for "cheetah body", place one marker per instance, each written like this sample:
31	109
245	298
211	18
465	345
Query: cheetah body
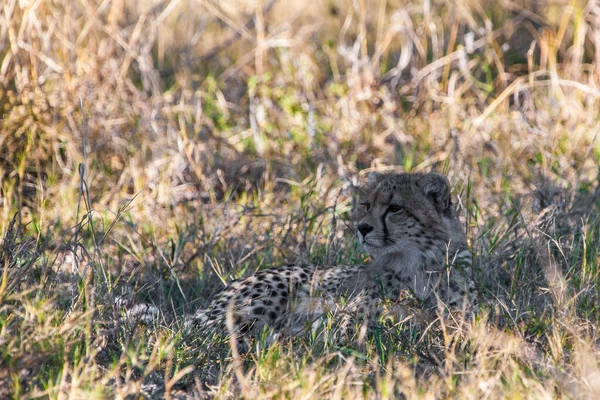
408	225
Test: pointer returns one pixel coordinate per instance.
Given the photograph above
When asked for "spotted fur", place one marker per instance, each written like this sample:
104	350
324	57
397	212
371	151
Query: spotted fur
407	223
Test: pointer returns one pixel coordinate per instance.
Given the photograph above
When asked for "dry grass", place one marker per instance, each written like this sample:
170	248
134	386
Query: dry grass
150	151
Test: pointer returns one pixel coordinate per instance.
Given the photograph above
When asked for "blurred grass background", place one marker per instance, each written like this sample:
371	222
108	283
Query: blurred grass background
152	150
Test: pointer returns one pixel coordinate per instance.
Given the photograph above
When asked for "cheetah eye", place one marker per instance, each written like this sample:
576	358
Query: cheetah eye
364	206
394	208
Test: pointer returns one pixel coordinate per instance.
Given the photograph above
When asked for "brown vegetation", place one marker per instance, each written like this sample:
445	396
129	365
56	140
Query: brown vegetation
150	151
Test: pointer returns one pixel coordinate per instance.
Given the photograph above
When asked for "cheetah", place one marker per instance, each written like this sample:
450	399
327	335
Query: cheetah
420	259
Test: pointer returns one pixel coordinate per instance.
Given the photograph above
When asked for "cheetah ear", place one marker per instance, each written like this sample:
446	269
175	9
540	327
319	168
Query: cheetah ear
437	189
374	177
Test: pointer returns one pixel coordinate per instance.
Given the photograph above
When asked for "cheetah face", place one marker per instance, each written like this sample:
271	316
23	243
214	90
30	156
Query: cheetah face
400	213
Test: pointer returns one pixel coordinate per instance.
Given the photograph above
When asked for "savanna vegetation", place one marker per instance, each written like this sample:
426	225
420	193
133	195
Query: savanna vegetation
151	151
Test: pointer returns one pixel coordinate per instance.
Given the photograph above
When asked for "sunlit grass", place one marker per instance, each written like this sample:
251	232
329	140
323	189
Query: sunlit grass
223	137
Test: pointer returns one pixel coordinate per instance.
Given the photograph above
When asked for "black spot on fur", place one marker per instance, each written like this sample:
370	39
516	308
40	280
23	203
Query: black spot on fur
273	315
281	285
258	310
245	328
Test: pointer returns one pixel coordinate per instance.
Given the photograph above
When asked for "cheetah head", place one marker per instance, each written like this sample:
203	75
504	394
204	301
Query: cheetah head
408	214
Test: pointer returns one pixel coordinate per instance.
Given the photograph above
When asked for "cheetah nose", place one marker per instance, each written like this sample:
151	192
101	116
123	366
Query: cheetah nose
364	229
